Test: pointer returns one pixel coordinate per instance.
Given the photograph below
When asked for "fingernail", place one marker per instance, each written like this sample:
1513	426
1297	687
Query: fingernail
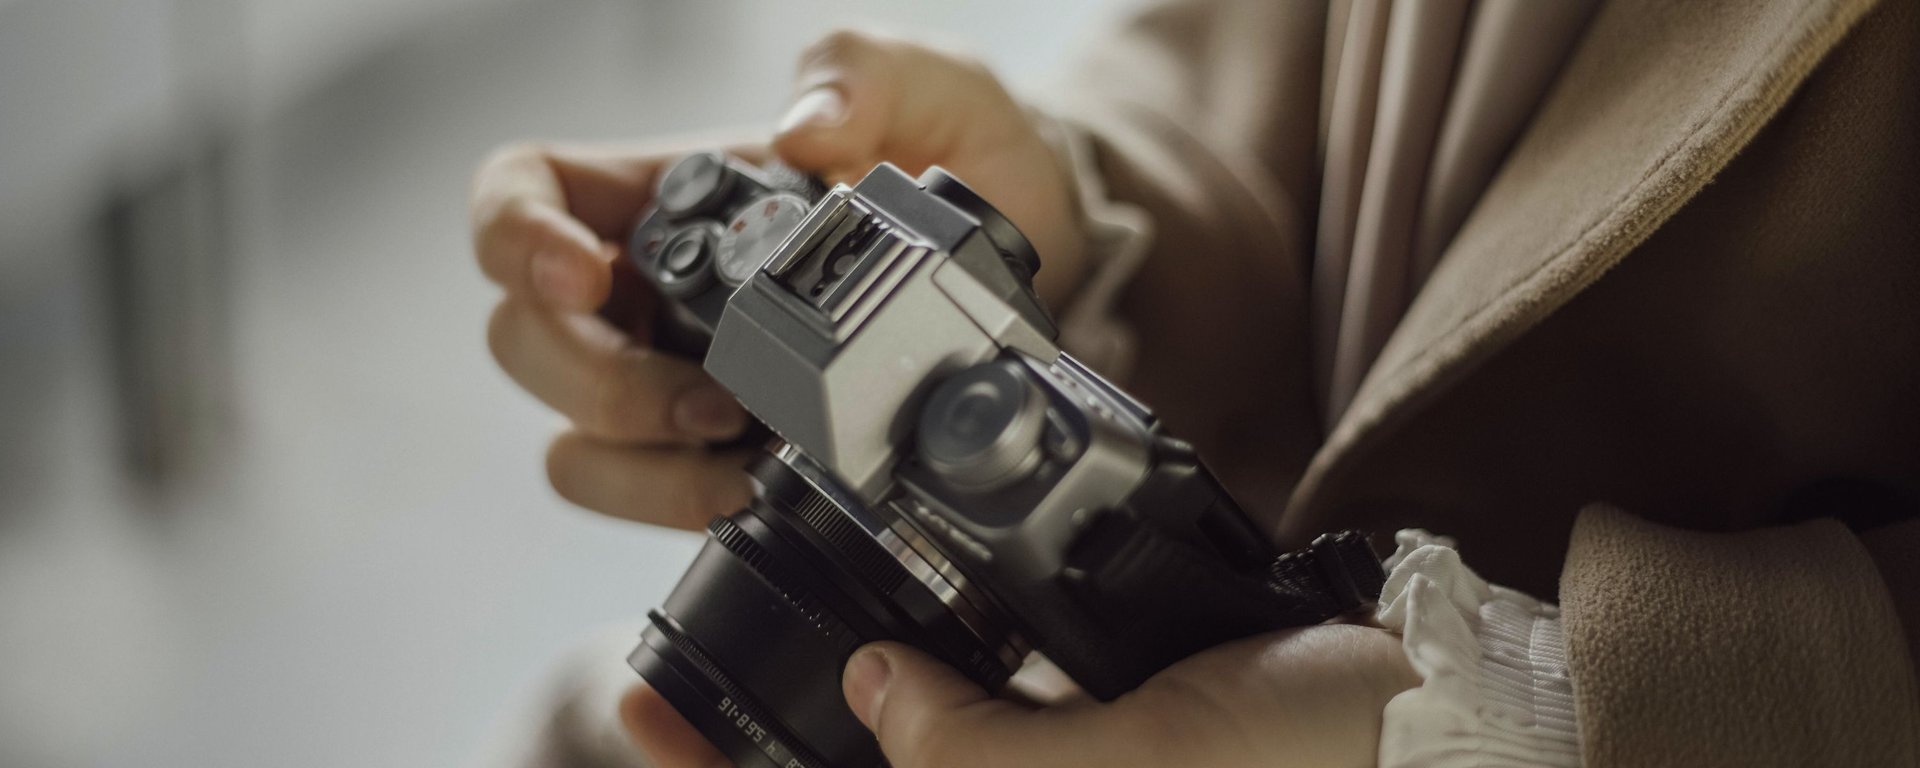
555	280
866	684
709	411
822	107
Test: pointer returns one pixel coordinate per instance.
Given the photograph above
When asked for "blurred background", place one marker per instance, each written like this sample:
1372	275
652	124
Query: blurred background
264	499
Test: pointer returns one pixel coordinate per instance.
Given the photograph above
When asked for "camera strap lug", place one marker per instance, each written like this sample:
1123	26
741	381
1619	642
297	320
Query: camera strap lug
1339	568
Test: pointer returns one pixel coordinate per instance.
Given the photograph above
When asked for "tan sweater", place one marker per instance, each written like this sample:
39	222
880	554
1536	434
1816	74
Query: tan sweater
1691	290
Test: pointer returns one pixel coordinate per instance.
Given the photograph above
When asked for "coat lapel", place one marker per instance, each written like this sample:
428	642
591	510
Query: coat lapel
1659	97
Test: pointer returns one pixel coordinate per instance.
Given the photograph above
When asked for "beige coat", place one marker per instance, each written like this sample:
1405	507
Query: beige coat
1691	293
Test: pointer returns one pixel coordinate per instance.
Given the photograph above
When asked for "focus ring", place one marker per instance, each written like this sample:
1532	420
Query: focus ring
857	549
783	581
872	563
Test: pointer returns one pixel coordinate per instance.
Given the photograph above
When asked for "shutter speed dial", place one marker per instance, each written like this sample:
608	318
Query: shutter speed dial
693	185
755	231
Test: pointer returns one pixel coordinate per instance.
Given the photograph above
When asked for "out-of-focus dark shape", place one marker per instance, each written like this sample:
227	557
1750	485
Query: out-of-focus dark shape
165	247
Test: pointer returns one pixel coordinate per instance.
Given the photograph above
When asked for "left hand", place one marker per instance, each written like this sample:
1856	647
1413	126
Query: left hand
1310	696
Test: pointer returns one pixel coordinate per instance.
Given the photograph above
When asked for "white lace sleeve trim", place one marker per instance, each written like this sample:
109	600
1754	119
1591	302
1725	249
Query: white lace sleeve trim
1496	691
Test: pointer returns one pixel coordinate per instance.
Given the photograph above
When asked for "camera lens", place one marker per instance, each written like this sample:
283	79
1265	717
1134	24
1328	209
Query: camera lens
981	428
750	645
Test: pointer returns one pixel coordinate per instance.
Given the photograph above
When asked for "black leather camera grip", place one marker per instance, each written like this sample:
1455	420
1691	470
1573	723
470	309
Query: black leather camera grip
1178	569
1159	599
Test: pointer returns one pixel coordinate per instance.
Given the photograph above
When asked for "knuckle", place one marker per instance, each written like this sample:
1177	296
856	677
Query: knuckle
837	46
954	62
845	48
498	170
500	212
663	491
508	157
503	236
500	333
562	467
675	491
731	502
691	500
968	65
722	494
626	402
508	222
973	73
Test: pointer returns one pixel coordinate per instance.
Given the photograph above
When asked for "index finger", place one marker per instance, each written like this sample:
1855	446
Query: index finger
574	201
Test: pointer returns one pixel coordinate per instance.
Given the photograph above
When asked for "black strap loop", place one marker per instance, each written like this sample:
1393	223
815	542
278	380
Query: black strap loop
1338	570
1133	562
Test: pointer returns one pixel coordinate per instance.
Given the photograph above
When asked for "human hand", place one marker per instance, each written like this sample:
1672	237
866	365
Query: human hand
866	98
1310	696
548	222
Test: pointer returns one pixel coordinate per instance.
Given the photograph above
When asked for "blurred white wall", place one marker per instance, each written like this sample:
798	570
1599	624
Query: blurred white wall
367	567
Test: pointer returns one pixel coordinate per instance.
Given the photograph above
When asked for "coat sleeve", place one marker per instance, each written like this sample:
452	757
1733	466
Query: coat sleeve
1204	115
1780	646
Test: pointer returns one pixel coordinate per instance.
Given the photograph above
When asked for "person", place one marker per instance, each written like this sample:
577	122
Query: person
1622	296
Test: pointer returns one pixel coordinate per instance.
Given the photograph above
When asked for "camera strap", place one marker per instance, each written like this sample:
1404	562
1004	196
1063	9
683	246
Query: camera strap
1135	563
1339	572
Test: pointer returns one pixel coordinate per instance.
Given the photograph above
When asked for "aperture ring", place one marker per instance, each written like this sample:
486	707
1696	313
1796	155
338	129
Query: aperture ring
856	548
875	552
736	697
986	660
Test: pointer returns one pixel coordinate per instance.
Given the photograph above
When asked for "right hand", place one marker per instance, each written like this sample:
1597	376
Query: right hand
549	223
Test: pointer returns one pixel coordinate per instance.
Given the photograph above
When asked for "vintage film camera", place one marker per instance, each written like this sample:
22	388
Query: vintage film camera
943	474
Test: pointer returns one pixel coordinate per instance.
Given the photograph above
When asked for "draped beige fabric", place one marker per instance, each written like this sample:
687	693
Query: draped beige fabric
1687	289
1424	97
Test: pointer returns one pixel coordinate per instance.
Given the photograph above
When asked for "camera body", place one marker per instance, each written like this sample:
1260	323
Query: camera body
714	220
944	474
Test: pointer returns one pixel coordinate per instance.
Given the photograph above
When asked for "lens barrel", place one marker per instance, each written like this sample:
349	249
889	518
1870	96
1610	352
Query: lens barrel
750	645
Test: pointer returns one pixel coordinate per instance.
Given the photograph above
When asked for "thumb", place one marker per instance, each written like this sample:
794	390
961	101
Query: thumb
838	123
926	714
865	98
914	704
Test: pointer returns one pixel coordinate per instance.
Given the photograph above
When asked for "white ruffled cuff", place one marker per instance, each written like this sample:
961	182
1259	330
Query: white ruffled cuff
1496	690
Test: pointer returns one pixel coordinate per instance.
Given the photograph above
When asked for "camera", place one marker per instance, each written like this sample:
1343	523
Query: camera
713	221
941	473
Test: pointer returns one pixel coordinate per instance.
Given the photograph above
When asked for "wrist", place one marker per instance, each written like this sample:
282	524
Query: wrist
1106	240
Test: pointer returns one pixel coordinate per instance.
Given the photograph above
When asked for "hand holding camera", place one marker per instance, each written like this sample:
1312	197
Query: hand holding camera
943	475
550	222
633	455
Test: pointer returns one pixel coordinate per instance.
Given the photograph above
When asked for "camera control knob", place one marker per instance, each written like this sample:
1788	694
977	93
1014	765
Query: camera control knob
755	232
695	184
684	265
981	429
